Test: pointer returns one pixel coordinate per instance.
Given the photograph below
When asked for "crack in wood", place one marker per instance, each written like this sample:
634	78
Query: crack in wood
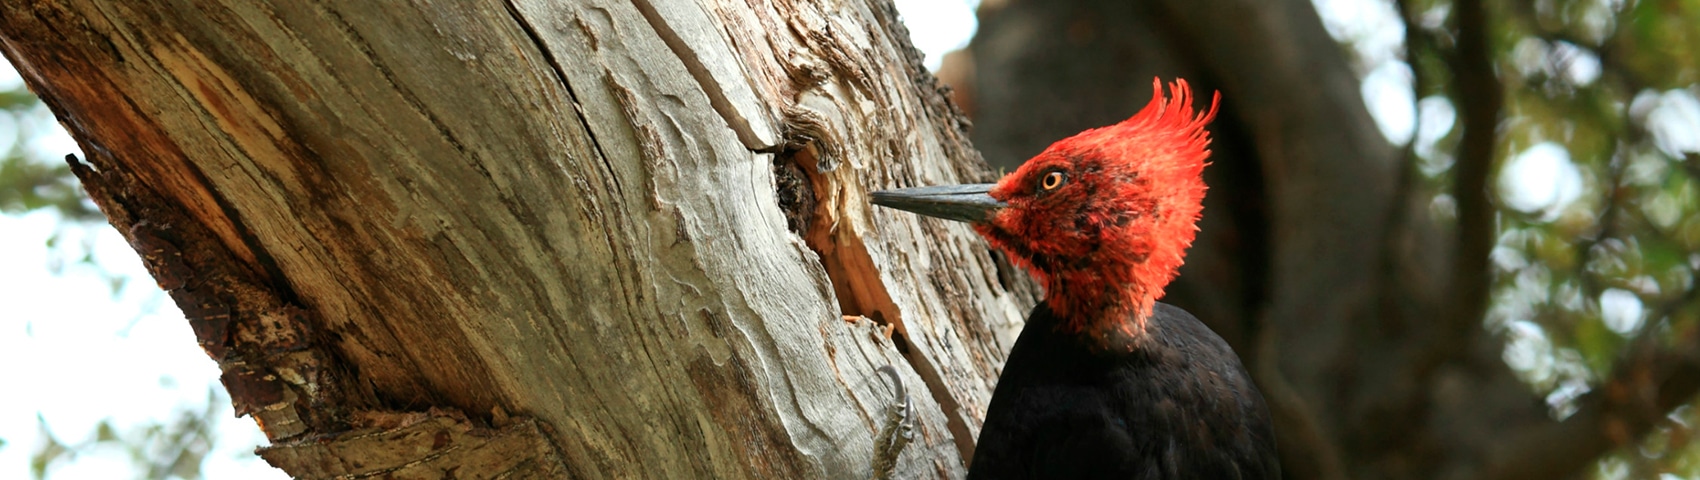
860	291
561	76
709	61
769	413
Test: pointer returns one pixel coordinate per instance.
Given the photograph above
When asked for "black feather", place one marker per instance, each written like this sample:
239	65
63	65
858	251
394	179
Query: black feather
1174	403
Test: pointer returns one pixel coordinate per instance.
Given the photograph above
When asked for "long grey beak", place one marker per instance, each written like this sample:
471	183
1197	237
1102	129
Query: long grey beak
963	203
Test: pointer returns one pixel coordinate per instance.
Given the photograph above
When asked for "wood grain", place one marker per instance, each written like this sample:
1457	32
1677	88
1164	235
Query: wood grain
562	211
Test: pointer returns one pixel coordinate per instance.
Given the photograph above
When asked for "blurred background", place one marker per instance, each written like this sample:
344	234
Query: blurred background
1447	236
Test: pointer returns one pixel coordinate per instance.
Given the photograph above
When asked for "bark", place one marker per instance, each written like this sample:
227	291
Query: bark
1359	315
528	238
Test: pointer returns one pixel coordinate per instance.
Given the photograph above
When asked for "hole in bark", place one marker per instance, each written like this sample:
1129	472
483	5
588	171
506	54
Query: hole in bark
795	192
855	279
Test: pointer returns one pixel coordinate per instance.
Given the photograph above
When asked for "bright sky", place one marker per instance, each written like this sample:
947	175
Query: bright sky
938	26
1542	180
77	353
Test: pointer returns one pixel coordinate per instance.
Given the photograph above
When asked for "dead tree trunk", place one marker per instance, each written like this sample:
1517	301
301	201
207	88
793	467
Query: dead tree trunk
585	237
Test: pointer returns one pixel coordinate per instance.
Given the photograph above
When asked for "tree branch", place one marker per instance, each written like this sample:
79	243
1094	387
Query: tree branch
1480	98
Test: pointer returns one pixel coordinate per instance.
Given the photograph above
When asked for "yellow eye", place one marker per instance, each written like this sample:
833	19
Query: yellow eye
1053	180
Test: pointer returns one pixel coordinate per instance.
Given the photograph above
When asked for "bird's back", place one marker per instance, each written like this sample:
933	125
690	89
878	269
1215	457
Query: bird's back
1175	404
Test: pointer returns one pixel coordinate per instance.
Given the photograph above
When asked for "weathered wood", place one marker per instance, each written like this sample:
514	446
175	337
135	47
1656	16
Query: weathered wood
425	446
564	210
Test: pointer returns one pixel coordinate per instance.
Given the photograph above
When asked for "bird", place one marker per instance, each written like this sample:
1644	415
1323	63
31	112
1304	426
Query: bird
1104	381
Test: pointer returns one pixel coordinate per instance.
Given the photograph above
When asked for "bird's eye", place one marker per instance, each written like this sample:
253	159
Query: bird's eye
1052	181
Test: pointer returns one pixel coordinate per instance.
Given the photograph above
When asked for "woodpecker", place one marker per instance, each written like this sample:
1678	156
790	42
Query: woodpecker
1104	381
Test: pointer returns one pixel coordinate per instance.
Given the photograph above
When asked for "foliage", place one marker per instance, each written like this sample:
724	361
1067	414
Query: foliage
1598	191
162	451
27	183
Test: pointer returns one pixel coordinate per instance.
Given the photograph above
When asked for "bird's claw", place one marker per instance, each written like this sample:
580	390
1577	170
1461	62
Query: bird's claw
898	430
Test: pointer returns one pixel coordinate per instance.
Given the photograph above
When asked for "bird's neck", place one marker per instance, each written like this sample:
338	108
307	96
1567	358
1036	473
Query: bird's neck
1101	301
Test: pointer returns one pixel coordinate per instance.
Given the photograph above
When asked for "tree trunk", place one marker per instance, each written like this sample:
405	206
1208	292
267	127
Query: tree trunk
534	239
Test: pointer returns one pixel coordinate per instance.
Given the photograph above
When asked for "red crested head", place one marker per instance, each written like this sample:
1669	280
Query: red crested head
1104	218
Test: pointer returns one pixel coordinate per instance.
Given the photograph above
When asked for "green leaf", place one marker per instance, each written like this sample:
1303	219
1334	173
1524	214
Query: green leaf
105	433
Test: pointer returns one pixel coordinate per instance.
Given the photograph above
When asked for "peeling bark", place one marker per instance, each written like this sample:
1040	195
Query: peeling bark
424	445
621	238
